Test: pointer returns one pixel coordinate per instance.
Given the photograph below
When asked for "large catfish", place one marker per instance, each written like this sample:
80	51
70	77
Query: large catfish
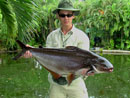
69	61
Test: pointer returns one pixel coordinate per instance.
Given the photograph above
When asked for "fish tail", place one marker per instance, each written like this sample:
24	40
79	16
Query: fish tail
24	49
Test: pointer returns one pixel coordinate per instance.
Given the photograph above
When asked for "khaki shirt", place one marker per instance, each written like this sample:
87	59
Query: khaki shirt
75	37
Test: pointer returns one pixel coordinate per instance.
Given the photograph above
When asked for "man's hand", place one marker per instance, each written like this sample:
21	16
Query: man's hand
84	72
27	54
90	74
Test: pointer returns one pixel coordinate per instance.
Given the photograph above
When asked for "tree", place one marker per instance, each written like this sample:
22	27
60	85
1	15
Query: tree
18	20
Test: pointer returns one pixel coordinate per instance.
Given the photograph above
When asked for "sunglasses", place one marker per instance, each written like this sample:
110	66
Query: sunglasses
63	15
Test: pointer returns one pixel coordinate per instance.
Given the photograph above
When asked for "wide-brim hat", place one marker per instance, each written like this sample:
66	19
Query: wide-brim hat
66	5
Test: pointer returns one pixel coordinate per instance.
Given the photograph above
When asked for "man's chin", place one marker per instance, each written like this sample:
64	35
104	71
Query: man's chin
67	24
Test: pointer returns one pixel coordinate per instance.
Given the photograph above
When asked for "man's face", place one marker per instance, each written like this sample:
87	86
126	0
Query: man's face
65	17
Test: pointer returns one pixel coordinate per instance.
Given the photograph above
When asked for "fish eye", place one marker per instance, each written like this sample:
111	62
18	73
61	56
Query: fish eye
100	60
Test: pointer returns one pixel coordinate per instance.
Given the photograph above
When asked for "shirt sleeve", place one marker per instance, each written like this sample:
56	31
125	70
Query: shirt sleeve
84	42
49	41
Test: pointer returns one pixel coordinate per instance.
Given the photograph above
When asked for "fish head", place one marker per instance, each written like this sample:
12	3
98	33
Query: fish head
100	65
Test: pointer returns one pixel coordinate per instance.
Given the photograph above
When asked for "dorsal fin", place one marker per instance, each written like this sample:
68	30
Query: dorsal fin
40	46
72	48
81	52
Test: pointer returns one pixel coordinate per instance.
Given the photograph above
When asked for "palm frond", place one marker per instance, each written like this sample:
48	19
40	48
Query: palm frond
8	17
26	16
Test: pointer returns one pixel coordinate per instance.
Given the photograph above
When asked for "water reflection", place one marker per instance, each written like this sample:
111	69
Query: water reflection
21	79
115	84
0	61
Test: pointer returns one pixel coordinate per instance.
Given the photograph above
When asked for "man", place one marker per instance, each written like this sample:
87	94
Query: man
67	35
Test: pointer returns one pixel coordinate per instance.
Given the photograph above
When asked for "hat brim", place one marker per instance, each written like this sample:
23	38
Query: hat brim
76	11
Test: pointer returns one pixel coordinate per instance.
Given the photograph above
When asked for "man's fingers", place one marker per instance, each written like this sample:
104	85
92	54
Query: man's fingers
84	71
90	74
27	54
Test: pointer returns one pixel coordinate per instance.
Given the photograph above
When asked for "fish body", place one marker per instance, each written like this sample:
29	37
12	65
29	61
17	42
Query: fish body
69	61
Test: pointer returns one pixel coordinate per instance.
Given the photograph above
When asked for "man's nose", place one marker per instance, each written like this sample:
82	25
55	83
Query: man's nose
66	17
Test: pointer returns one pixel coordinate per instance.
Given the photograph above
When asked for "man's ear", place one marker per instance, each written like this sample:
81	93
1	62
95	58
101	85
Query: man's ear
73	17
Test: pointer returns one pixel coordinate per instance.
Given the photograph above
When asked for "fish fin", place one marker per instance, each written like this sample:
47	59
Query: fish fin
82	52
82	71
22	45
40	46
70	78
19	55
72	47
24	49
55	75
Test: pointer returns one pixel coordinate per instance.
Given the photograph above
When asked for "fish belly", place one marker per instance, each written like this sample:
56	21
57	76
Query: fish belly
59	64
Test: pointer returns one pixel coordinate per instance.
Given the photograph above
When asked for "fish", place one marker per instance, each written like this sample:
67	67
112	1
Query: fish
69	61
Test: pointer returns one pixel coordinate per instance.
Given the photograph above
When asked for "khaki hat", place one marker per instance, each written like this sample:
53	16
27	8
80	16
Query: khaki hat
66	5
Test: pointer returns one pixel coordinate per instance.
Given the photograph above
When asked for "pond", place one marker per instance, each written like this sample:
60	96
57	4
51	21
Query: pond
22	79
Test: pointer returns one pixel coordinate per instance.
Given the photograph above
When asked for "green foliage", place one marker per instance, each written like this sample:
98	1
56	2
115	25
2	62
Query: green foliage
20	20
112	17
27	20
8	23
49	21
32	20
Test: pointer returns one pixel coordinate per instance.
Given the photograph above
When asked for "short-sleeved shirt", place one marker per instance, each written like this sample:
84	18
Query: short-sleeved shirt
75	37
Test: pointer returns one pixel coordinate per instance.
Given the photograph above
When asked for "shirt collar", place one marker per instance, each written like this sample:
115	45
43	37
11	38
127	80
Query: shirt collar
70	32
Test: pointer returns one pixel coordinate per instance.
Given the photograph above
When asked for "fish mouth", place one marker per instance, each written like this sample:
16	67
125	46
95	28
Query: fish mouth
102	69
108	69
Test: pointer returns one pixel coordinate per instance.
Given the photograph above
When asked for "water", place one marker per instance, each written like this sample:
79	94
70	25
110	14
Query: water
115	84
22	79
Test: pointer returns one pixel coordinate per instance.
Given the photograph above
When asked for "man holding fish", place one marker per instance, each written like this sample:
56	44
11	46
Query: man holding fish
67	35
67	56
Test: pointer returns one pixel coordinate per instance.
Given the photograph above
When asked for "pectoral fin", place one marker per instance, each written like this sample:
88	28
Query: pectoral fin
55	75
70	78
